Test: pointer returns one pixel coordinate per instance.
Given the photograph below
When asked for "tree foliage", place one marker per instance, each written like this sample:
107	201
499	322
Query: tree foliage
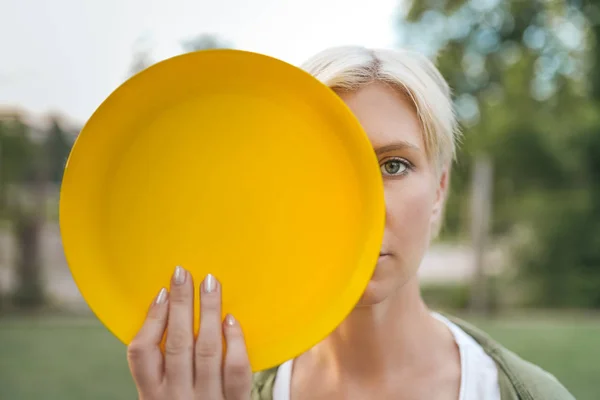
205	41
57	147
525	81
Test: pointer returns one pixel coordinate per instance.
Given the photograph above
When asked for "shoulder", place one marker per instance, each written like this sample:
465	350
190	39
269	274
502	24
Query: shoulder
517	376
529	378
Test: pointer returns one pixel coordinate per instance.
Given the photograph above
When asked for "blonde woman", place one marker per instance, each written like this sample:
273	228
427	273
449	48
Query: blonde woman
391	346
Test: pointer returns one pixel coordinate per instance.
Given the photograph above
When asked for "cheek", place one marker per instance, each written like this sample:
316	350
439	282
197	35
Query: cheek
409	208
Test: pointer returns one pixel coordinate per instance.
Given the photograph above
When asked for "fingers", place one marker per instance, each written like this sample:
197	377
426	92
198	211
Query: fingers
180	336
237	373
209	345
143	354
187	364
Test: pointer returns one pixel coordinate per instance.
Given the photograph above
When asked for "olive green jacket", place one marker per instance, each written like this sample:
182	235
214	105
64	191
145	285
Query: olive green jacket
518	379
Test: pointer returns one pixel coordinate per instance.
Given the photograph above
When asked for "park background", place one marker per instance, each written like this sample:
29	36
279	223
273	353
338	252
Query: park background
519	253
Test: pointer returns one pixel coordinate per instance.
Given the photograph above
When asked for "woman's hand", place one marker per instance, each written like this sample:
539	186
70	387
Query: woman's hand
190	369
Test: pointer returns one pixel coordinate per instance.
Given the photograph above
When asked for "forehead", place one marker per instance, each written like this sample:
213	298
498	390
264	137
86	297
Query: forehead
386	114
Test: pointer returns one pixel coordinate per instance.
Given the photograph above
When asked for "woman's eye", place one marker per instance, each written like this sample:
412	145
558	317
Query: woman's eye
394	167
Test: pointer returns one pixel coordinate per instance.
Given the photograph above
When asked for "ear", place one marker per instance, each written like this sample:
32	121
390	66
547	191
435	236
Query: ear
441	195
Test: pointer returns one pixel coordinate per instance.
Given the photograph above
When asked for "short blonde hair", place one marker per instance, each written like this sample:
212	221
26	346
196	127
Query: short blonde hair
348	68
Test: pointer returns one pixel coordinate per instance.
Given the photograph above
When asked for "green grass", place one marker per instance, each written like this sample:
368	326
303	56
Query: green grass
62	359
569	348
65	358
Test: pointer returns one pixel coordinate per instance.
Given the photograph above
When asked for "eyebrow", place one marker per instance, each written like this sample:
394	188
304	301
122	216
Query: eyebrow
401	145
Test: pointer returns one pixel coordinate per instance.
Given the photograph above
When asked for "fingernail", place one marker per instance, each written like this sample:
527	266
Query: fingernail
229	320
210	284
179	275
162	296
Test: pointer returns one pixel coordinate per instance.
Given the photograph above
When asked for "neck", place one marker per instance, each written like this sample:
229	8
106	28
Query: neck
387	337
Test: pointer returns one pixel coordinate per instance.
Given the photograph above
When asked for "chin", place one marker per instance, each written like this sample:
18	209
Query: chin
387	279
379	288
373	294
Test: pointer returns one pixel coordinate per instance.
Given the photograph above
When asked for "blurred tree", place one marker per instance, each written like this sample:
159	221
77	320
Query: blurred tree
518	71
518	89
141	61
22	174
27	223
142	55
17	153
57	147
563	262
591	9
205	41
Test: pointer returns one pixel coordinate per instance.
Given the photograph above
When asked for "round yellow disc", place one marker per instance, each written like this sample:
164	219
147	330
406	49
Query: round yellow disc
230	163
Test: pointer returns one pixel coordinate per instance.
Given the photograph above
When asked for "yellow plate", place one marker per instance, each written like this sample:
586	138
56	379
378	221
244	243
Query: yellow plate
231	163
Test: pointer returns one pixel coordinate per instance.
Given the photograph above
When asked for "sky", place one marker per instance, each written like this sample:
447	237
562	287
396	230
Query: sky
67	56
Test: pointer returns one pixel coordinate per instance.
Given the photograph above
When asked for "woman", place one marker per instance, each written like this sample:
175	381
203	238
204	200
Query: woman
391	346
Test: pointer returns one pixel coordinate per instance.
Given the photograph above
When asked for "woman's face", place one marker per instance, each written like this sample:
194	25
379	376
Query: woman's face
414	191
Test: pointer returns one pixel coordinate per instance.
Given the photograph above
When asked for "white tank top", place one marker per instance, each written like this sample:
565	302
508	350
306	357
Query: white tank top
479	375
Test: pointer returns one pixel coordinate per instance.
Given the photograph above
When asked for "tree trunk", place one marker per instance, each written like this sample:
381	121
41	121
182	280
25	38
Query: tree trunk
30	217
29	293
2	208
481	207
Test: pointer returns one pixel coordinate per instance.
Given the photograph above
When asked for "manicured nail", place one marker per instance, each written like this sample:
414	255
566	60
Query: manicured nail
229	320
162	296
210	284
180	275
